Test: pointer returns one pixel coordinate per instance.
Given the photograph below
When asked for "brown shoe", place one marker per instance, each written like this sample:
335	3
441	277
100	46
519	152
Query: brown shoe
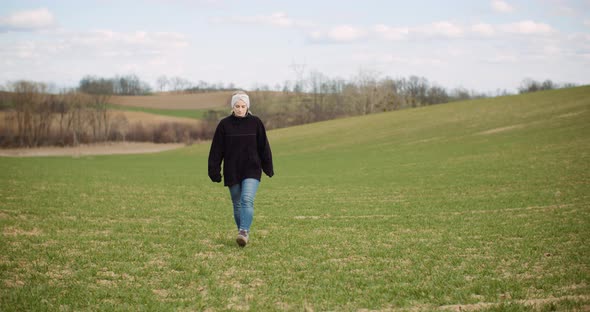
242	239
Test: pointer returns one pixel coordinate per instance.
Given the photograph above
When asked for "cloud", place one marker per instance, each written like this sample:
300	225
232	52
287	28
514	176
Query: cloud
98	44
527	28
501	6
30	20
441	29
391	33
417	61
347	33
501	59
276	19
587	23
396	58
482	29
66	56
566	10
129	39
435	30
342	33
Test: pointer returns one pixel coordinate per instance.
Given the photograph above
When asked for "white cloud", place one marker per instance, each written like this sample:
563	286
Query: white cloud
483	29
276	19
501	6
501	59
28	20
566	10
527	28
417	61
587	22
345	33
388	58
145	41
441	29
339	34
391	33
99	52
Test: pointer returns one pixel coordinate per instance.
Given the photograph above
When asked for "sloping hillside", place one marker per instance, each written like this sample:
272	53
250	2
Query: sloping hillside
474	121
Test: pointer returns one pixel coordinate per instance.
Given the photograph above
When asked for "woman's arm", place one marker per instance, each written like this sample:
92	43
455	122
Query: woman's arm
216	154
264	150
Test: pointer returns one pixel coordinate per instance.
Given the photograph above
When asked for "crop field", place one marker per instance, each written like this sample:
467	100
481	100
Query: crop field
472	206
176	101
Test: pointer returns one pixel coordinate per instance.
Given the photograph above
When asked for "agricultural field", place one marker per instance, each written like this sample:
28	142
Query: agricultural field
182	106
481	205
176	101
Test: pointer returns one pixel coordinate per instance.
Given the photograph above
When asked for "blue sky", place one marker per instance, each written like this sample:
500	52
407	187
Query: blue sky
480	45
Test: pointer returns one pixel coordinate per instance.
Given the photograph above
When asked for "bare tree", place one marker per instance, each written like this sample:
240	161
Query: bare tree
33	111
178	84
162	83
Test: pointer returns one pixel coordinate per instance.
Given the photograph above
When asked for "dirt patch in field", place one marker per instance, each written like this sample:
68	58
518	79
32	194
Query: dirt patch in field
91	149
572	114
14	231
502	129
535	304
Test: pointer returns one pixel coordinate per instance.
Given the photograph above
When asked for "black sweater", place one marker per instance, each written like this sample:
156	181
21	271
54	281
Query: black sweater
242	145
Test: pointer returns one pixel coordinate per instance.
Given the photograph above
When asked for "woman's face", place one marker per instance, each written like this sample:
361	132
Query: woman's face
240	109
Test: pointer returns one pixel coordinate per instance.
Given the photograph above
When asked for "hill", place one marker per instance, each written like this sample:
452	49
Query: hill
479	205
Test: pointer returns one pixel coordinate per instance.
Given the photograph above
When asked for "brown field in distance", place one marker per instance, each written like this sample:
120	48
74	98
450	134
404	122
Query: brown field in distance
176	100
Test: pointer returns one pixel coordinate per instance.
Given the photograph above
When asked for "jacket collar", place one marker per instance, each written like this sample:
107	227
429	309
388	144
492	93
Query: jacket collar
248	114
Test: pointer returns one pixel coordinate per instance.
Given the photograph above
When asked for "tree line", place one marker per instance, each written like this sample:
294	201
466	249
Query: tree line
33	116
529	85
119	85
318	98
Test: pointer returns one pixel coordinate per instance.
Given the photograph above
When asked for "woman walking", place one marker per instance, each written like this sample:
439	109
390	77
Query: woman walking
240	142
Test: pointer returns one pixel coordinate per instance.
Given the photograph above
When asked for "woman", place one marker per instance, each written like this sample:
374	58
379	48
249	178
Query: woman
240	142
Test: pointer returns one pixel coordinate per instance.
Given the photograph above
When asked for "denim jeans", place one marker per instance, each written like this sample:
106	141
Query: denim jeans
242	197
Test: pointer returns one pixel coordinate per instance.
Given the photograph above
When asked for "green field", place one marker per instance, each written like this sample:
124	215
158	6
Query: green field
479	205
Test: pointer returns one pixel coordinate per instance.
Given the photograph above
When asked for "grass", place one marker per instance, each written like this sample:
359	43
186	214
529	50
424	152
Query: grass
479	205
185	113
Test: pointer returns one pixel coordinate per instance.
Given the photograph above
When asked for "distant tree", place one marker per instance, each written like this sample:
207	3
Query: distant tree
286	86
569	85
548	85
179	84
162	83
437	95
33	111
530	85
96	85
416	90
120	85
460	94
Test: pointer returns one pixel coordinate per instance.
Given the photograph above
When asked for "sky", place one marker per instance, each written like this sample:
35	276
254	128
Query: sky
480	45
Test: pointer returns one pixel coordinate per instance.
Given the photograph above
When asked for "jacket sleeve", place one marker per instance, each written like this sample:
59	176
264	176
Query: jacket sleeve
264	150
216	154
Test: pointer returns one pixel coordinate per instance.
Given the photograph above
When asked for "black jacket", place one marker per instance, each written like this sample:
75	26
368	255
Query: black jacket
242	145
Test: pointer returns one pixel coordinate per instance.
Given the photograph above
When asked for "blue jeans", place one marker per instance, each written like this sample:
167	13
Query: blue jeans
242	197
